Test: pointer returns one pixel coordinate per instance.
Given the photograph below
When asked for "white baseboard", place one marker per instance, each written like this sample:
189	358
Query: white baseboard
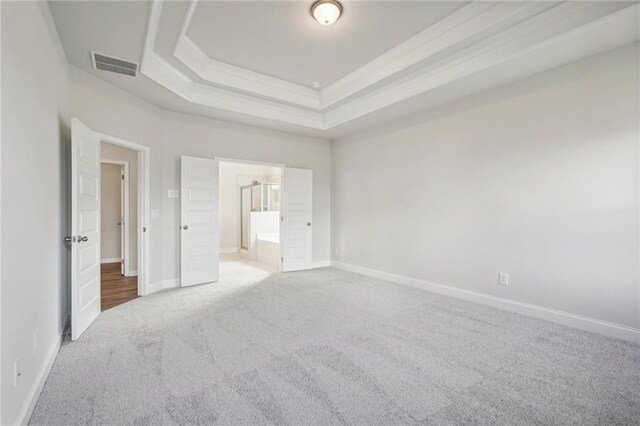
321	263
154	287
577	321
34	393
113	260
228	250
163	285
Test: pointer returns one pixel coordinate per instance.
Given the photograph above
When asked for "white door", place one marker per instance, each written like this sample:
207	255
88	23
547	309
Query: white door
199	221
296	235
122	224
85	227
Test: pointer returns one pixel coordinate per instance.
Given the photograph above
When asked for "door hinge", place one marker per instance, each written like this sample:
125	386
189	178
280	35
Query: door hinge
122	177
281	218
282	259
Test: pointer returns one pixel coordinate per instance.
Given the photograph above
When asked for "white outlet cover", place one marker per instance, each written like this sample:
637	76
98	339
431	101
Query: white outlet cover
503	278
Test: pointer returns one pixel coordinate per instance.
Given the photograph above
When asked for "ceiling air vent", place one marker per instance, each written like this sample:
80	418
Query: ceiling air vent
107	63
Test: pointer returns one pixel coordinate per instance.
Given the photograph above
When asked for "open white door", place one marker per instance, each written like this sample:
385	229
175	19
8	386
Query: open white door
296	236
199	249
85	227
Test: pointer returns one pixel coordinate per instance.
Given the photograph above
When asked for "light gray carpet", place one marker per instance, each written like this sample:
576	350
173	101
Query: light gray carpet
332	347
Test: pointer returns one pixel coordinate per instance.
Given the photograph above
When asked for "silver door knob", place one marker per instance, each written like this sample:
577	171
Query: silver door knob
82	239
308	223
185	227
67	239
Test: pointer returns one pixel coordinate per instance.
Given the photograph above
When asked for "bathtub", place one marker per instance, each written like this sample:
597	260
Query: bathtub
269	248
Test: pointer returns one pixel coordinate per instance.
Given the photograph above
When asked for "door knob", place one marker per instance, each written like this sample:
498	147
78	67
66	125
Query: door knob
69	239
119	223
308	223
82	239
185	227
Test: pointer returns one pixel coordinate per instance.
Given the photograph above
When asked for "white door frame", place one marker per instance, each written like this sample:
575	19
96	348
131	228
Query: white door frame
143	207
124	200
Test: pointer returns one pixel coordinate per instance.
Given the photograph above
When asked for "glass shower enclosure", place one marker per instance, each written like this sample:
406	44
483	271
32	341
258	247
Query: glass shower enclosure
257	197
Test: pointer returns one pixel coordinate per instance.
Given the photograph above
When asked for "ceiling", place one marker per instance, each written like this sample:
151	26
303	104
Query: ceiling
299	50
254	62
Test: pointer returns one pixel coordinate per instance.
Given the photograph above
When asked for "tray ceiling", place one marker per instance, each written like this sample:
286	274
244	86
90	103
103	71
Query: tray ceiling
254	62
297	49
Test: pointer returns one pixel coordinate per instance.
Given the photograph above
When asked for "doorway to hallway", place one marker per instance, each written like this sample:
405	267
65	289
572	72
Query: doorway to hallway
115	288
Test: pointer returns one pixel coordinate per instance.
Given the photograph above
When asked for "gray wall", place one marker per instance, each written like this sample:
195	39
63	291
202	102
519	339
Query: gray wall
35	149
110	110
538	179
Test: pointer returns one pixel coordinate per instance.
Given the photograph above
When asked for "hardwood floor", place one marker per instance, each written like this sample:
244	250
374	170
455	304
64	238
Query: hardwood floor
115	288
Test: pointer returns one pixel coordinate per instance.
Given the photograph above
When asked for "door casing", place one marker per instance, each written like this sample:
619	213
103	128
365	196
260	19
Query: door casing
143	231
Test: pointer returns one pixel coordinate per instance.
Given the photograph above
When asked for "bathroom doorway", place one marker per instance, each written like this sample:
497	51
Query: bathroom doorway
250	204
211	222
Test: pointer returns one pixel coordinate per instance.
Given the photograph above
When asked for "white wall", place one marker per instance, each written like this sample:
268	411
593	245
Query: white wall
538	179
110	211
109	110
35	149
232	177
109	151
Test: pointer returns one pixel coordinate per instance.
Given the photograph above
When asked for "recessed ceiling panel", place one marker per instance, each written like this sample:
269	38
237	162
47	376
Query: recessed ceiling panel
282	40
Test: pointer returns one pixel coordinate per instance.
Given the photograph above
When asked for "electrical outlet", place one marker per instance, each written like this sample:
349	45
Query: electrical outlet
173	193
503	278
17	372
35	342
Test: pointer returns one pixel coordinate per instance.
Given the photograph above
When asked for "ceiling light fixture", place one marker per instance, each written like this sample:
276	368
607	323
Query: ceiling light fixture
326	11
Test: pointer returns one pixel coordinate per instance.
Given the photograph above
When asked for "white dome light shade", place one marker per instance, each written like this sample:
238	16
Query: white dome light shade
326	11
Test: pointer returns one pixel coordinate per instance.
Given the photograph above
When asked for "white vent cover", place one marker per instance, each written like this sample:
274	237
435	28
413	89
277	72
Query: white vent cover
119	66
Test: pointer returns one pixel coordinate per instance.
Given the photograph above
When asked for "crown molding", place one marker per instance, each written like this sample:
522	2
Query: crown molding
158	69
473	39
238	78
456	31
510	55
464	25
